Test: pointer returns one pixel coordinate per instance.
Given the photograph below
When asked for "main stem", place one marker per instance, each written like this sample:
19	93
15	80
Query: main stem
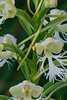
38	9
37	33
37	76
30	37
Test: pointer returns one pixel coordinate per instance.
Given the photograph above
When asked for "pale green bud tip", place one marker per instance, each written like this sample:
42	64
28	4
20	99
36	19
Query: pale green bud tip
1	47
50	3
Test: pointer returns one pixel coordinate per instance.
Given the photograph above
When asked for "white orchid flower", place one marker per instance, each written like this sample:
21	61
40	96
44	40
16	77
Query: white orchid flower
7	10
50	3
4	55
26	90
60	28
52	47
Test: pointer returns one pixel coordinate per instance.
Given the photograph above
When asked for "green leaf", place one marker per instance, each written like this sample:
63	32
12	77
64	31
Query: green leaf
34	1
52	87
24	23
25	70
47	85
24	14
40	15
3	97
54	22
8	47
34	67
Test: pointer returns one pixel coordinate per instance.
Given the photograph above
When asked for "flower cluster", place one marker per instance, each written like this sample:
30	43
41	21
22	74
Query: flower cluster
51	57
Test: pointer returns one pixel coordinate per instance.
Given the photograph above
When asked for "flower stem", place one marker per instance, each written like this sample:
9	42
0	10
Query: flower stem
36	77
54	22
28	4
30	37
37	33
36	4
54	16
38	9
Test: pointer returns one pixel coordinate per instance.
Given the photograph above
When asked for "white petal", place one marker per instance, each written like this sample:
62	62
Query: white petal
36	90
16	91
55	46
62	28
56	12
14	40
55	71
56	35
39	48
1	39
12	1
2	62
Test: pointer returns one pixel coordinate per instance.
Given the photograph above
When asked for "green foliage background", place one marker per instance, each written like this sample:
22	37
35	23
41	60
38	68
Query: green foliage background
9	75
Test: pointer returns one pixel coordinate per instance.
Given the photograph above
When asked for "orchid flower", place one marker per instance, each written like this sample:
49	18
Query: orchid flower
50	3
52	50
60	28
4	55
26	90
7	10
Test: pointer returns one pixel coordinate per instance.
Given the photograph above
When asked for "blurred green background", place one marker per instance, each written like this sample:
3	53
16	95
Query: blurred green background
9	75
